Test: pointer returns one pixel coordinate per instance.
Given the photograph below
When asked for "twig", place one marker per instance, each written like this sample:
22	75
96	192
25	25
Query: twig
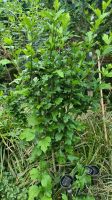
102	102
53	160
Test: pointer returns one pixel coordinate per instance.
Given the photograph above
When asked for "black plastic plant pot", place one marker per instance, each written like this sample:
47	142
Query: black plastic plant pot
92	170
66	181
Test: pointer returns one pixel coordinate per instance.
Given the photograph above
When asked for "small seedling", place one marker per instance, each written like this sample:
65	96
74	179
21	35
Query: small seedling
67	180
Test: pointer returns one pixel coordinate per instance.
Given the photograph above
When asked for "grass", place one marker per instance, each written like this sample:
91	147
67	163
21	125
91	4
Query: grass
95	150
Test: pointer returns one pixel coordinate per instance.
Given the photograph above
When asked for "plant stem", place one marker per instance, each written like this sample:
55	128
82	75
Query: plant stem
53	160
102	102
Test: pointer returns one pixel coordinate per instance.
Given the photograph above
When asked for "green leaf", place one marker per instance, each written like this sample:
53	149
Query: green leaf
104	15
65	19
109	75
8	41
58	100
1	93
28	134
46	14
27	21
97	12
34	173
107	50
4	62
33	192
60	73
106	39
90	36
106	72
46	198
24	92
36	152
72	158
32	120
105	4
75	82
58	136
46	180
105	86
56	5
98	52
44	143
58	14
100	20
61	157
64	197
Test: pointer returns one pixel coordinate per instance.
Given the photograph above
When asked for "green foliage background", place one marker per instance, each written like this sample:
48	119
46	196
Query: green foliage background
48	65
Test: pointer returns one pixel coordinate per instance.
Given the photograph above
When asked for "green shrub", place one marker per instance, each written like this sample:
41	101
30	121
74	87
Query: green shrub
51	91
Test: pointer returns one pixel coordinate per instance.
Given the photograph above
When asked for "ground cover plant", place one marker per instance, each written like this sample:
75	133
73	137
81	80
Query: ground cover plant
48	73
